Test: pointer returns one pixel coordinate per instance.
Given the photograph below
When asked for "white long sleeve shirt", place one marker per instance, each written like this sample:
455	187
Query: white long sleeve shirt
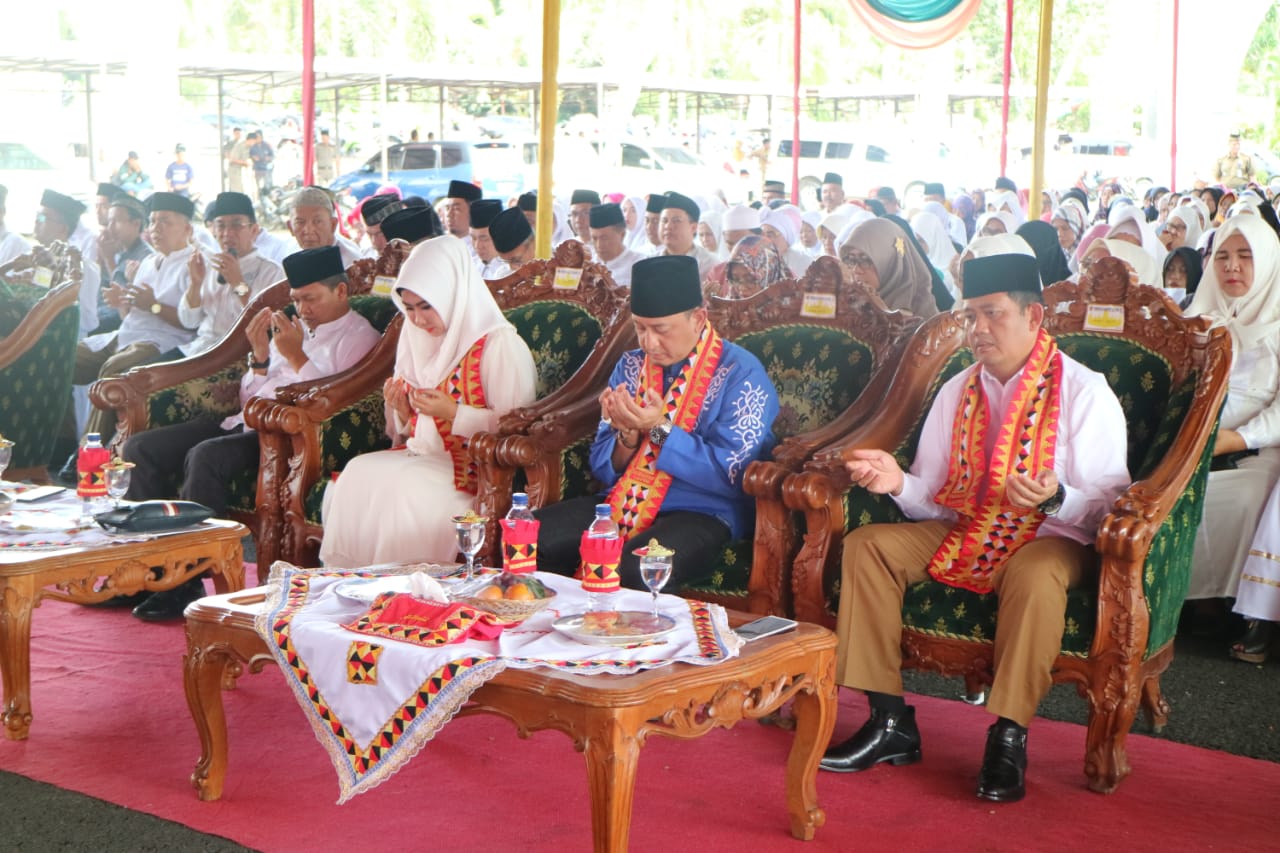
1089	458
1253	395
620	267
330	348
167	276
220	308
12	244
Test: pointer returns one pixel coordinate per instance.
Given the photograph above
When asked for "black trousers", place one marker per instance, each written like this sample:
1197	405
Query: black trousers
696	537
208	456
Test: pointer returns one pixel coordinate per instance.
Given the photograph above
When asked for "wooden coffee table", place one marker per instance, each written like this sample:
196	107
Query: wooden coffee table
86	575
608	717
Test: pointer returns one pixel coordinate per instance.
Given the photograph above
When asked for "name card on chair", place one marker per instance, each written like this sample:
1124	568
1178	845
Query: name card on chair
820	305
567	278
383	285
42	276
1104	318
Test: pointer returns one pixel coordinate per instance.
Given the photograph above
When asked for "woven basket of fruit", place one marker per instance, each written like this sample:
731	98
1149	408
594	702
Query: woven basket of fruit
511	597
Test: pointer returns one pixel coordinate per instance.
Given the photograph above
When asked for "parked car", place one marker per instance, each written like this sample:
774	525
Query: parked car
629	166
426	168
862	164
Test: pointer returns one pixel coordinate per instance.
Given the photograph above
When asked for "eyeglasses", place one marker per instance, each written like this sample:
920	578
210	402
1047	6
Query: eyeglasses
41	219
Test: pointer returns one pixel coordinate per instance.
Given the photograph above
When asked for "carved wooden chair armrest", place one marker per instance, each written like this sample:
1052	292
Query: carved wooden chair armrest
130	394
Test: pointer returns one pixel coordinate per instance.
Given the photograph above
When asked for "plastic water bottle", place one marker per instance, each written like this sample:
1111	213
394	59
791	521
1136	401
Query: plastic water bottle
91	482
602	527
520	508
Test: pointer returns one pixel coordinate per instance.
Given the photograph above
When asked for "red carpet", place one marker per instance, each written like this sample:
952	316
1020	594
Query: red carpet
111	722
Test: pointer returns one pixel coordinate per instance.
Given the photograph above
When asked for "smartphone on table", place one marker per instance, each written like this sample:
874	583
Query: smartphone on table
765	626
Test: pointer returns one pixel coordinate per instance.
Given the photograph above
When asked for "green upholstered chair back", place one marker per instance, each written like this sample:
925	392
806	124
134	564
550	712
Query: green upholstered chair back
35	385
560	334
1155	395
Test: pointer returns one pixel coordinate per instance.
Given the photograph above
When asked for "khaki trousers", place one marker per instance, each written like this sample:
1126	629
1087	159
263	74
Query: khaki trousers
882	560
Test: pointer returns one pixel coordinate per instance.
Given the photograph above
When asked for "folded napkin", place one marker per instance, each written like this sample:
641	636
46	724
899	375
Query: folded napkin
409	619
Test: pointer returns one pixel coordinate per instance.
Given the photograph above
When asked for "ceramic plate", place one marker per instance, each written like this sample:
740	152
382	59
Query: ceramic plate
615	628
367	589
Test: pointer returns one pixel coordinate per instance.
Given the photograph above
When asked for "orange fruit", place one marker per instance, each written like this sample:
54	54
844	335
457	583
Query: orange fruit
519	592
493	591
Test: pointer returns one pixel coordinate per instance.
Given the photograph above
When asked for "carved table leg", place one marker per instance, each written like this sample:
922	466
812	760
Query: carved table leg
612	752
815	712
228	575
204	668
17	598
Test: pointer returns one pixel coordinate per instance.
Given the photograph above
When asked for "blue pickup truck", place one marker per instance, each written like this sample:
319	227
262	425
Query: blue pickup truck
426	168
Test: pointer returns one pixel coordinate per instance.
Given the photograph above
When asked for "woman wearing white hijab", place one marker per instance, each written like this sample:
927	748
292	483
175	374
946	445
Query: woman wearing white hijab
459	367
782	226
1130	222
1182	228
1240	291
937	245
1144	267
633	214
1006	201
983	227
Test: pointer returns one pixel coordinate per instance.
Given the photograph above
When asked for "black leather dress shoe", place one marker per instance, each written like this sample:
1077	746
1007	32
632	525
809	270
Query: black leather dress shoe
169	604
889	736
1004	764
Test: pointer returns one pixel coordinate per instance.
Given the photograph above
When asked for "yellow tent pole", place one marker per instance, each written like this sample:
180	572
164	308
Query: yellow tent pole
1042	108
547	122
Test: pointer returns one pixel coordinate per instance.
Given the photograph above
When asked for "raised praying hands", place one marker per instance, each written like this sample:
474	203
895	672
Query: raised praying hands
396	392
619	408
433	403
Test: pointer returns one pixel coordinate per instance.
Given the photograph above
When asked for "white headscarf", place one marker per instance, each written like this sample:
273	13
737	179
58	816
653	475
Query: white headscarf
1188	217
998	201
999	244
637	202
1148	270
1010	222
1206	220
1132	220
935	236
440	271
786	220
714	222
812	218
1256	315
856	217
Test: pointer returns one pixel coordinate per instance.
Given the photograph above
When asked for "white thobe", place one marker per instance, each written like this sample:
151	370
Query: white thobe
620	267
220	307
12	245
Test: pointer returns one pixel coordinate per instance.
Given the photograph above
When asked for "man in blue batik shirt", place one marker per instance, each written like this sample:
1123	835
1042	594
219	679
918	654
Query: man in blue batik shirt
681	420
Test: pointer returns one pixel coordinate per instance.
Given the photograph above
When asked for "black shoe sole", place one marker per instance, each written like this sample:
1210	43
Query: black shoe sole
1001	796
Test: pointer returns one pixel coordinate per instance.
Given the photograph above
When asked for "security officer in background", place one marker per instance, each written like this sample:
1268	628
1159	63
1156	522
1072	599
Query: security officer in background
1236	169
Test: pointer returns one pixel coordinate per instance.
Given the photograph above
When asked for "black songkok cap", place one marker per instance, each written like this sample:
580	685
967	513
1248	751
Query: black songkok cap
833	178
108	190
604	215
411	224
655	203
464	190
683	202
665	285
378	207
935	189
232	204
775	187
1003	183
528	201
313	265
136	208
509	229
1000	274
65	206
172	202
413	201
584	197
483	211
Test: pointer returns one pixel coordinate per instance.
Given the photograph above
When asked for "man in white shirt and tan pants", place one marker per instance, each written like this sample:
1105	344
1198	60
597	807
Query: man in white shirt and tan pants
1020	458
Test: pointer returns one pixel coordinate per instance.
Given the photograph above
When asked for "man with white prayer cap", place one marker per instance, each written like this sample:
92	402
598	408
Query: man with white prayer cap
608	237
737	222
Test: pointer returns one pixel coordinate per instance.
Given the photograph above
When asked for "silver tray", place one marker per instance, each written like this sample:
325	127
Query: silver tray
628	628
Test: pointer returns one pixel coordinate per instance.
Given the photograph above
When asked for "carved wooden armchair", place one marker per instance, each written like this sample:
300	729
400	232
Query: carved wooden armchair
575	336
1170	374
207	386
820	365
38	331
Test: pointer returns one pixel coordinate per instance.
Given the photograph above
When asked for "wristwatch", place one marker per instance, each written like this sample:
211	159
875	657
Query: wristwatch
259	365
658	433
156	308
241	289
1052	504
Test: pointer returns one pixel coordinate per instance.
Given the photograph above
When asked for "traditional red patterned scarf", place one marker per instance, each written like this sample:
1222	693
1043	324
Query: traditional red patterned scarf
639	492
989	529
464	386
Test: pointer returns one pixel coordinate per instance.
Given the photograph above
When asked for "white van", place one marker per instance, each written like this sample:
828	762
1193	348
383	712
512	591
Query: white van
631	167
861	164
